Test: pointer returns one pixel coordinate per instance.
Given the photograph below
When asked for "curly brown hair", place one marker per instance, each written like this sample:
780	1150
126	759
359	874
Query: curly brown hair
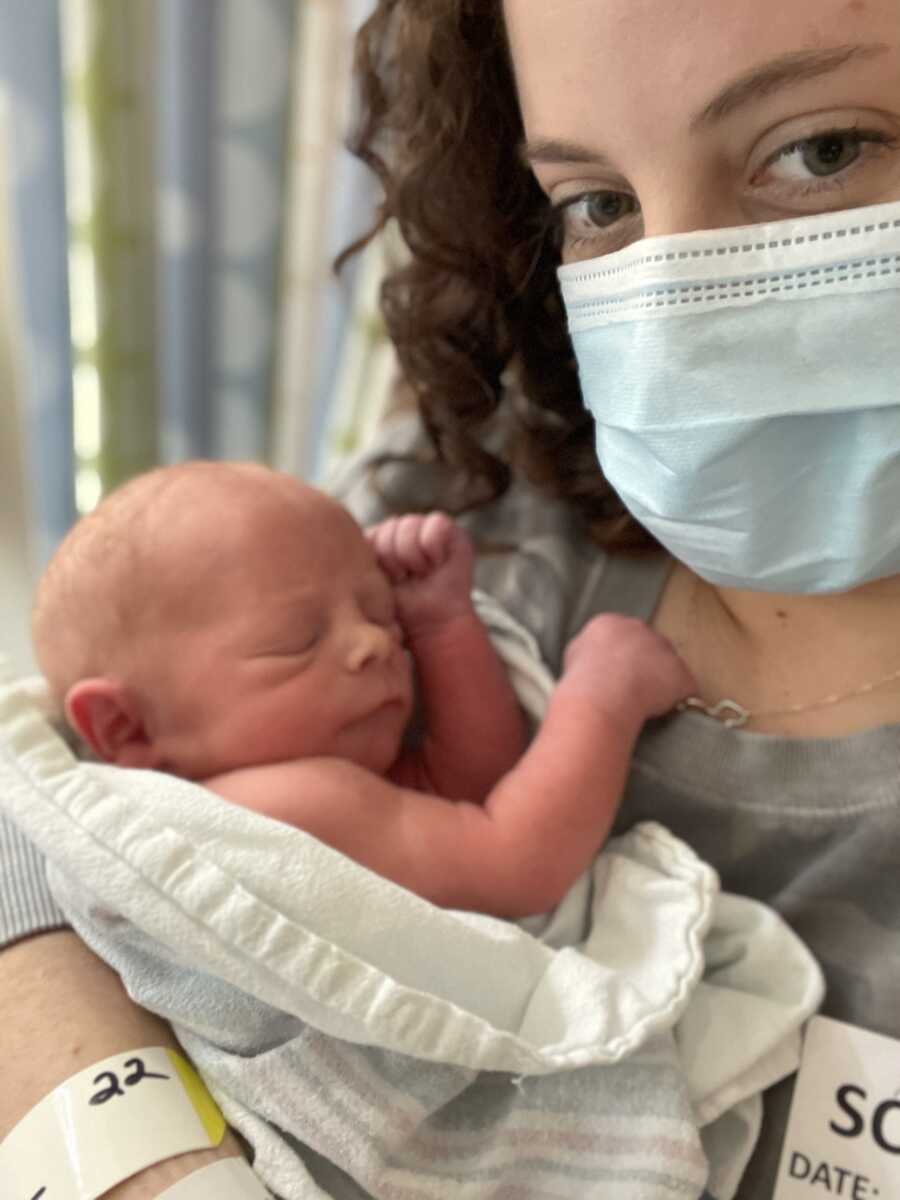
477	303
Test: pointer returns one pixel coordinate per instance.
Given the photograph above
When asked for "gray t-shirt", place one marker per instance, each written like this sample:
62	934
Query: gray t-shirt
811	827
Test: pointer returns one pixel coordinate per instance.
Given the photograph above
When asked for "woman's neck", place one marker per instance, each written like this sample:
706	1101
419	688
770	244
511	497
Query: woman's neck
774	652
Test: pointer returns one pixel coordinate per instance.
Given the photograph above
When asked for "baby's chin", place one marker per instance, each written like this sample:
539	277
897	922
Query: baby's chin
379	739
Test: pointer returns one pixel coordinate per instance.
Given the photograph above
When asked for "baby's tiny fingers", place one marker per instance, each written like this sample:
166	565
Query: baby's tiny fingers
437	537
408	544
383	539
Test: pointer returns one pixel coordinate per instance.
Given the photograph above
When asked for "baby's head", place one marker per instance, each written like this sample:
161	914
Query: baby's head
214	616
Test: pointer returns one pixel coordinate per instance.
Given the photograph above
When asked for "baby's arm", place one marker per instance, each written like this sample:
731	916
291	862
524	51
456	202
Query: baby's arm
542	823
474	731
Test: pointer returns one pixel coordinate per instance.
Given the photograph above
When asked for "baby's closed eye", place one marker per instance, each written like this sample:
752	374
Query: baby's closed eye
296	644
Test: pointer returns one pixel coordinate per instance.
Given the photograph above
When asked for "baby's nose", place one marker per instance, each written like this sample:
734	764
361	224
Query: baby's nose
369	644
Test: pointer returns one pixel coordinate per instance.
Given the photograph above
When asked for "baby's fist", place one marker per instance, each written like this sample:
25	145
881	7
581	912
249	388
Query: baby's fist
429	560
415	545
628	667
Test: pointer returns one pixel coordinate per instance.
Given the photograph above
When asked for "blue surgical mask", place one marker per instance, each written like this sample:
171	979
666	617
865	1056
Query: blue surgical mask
746	389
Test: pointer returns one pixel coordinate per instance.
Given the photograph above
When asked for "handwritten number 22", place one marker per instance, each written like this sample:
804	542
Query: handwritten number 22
136	1072
113	1088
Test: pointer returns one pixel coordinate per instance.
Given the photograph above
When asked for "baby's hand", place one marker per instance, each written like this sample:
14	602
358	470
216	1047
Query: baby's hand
627	668
429	560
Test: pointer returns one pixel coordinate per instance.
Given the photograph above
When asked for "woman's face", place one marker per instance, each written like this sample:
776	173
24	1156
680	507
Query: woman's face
647	117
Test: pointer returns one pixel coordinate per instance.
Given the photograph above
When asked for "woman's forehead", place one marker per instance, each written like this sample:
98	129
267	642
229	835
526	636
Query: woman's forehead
583	62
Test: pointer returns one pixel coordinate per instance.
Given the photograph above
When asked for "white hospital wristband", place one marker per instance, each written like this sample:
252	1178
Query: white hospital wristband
107	1123
228	1179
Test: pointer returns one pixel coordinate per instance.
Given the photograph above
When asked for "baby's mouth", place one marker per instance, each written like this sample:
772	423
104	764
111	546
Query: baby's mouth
398	699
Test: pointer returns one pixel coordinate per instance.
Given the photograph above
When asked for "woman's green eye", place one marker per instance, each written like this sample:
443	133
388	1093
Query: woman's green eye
829	153
605	208
589	221
832	159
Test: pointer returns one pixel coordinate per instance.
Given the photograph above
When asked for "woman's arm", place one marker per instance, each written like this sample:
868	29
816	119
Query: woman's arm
61	1010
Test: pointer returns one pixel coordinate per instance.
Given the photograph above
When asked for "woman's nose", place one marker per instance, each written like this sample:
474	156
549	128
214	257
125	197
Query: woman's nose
677	209
668	220
368	644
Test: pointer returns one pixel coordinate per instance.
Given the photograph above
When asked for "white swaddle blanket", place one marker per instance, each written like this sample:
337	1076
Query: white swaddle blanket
369	1044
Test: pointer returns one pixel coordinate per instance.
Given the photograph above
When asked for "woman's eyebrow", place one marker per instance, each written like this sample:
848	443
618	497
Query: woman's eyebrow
785	71
554	150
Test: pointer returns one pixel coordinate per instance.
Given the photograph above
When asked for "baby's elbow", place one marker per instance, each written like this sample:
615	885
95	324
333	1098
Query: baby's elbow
502	870
537	893
497	895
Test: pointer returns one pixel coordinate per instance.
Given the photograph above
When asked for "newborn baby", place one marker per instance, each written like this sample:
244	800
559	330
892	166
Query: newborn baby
232	626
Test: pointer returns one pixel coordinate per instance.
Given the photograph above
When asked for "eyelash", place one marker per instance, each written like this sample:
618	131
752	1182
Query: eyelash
824	184
860	137
557	219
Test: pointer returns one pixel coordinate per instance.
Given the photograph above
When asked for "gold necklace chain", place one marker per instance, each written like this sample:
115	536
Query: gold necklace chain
734	715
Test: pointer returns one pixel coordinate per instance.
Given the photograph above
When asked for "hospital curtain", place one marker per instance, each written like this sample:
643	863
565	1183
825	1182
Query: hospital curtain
179	190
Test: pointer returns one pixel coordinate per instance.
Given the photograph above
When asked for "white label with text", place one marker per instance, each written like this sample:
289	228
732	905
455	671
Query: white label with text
843	1135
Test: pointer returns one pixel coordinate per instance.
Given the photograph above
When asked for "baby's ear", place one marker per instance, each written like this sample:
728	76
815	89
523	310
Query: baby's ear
108	717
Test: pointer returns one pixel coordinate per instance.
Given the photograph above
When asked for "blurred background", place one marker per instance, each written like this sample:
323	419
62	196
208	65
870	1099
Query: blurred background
173	191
